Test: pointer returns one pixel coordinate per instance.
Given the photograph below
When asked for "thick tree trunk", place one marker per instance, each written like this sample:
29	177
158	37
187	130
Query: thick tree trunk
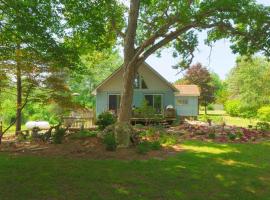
130	63
19	93
127	95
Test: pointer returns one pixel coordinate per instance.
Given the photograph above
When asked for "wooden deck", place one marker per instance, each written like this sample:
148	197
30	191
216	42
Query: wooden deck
148	121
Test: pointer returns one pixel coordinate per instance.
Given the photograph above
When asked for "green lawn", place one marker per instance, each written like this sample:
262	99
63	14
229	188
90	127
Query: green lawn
220	115
203	171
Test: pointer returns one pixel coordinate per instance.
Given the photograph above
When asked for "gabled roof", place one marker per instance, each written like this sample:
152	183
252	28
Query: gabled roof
161	77
148	66
187	90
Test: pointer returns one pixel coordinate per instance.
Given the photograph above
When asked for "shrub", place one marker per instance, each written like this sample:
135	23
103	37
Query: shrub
105	119
84	134
156	145
264	113
109	141
143	147
233	107
248	112
58	136
232	136
210	107
168	139
204	118
144	111
263	126
212	135
149	132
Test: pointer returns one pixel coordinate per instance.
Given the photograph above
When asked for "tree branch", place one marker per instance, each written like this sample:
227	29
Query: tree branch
171	36
24	104
131	30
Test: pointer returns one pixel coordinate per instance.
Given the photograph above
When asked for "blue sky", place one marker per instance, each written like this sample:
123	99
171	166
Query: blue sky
221	60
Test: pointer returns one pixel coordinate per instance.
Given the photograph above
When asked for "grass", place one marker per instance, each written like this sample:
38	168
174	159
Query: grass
220	115
203	170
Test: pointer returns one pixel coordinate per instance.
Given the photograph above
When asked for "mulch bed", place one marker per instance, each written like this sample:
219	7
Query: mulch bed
91	147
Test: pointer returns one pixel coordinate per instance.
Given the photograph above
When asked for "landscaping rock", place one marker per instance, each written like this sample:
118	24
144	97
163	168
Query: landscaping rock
122	132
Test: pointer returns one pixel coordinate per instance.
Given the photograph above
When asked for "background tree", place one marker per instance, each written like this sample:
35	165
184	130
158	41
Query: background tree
40	47
29	46
249	83
96	66
199	75
221	89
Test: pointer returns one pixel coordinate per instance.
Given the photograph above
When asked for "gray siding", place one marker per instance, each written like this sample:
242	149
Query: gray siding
138	97
101	102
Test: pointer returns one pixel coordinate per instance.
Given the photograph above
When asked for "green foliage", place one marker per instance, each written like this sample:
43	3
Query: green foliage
249	82
8	109
263	113
44	42
232	136
105	119
212	135
97	65
84	134
263	126
144	111
58	136
237	108
210	107
221	91
168	139
156	145
150	131
233	107
143	147
110	142
147	146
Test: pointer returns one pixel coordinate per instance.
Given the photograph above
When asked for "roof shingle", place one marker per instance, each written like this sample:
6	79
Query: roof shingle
187	90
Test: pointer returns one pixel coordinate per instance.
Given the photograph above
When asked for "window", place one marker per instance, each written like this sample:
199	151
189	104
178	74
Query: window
181	101
139	83
114	102
154	100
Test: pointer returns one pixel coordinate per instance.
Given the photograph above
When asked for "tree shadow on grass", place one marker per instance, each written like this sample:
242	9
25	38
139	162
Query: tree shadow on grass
202	171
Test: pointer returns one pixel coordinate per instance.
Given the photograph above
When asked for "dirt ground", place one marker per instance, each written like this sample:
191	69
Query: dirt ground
91	147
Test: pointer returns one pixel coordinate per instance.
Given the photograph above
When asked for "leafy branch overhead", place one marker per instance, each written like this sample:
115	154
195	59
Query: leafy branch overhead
176	23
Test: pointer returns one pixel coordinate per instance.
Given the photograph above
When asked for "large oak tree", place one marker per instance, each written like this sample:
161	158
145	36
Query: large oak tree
154	24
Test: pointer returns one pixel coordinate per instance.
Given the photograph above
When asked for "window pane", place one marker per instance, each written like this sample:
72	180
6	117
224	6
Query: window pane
112	102
181	101
157	103
149	99
137	81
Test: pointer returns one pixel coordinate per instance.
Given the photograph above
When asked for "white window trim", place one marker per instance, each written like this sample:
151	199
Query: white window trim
140	83
182	99
108	98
